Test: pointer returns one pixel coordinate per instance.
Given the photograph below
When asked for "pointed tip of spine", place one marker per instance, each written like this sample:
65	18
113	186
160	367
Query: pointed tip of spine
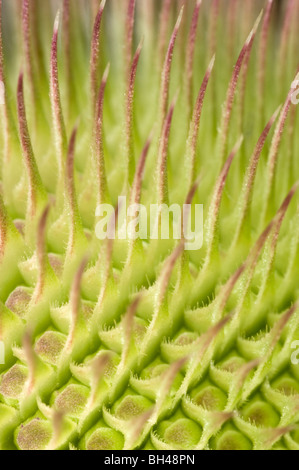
56	23
295	82
98	366
129	29
75	293
218	418
167	69
174	369
57	422
75	300
175	99
238	144
273	435
43	219
192	191
128	324
163	153
137	426
167	271
95	52
6	226
276	114
211	64
169	376
71	151
30	359
140	46
207	338
287	200
227	165
281	324
135	63
20	81
290	313
106	74
137	183
41	234
102	5
179	20
244	370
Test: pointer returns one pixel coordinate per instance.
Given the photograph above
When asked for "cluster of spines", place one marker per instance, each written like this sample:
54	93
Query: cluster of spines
82	367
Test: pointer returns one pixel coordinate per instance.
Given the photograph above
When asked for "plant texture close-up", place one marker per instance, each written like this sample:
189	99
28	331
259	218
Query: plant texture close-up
149	225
